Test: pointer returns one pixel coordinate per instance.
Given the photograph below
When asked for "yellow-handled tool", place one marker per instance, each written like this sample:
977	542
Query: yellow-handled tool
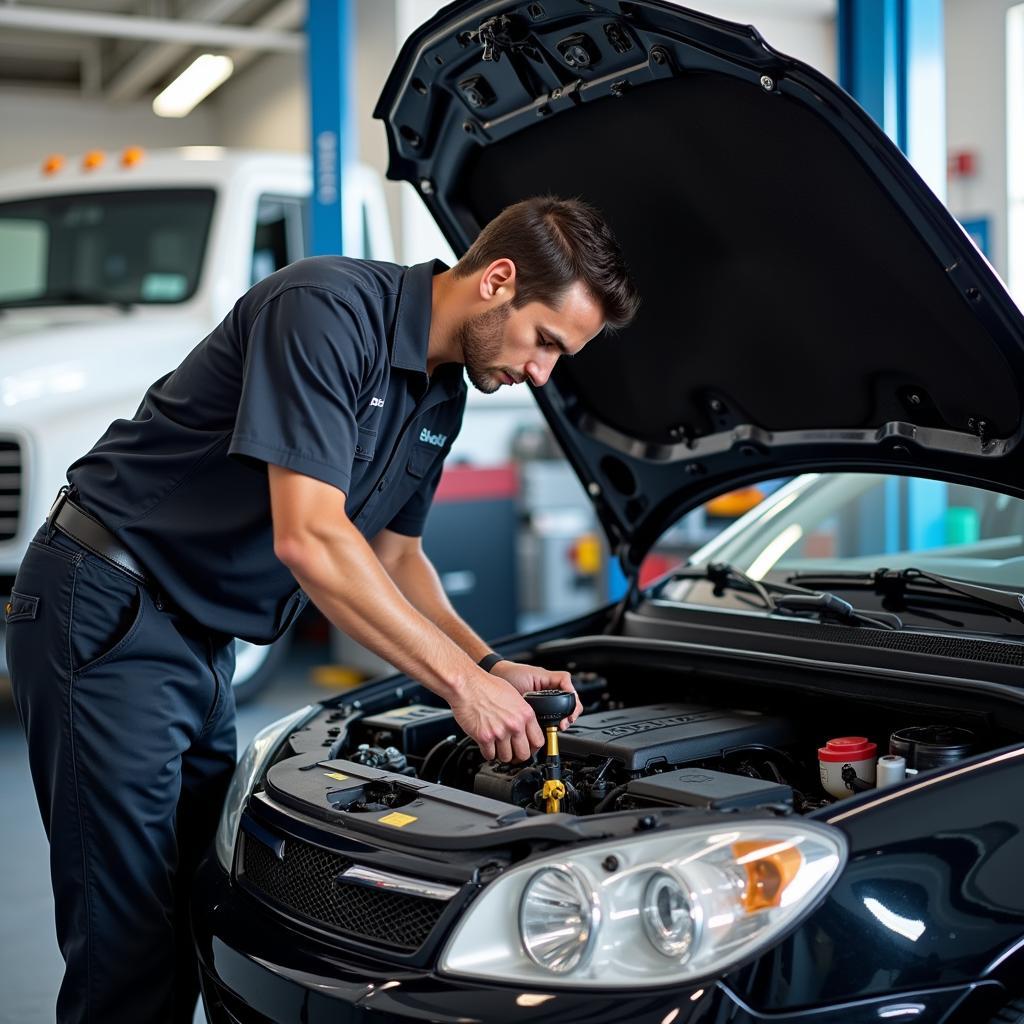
550	707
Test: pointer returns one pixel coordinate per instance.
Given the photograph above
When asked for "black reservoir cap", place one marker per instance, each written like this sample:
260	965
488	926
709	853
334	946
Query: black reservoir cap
709	790
551	706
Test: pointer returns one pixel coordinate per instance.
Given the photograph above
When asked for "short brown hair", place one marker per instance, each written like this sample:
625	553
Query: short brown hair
554	242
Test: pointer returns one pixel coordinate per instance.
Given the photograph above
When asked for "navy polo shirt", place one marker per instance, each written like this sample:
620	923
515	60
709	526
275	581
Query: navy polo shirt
320	368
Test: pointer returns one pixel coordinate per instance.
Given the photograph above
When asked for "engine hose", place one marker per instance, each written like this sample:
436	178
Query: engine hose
606	802
339	744
853	781
456	752
435	754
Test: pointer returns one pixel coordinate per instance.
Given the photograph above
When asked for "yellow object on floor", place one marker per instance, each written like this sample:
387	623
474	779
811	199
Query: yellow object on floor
337	677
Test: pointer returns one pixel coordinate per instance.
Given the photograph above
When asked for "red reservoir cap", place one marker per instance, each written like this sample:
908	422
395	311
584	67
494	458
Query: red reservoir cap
848	748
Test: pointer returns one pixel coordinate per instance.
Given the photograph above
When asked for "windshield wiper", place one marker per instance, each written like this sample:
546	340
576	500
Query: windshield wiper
788	597
899	583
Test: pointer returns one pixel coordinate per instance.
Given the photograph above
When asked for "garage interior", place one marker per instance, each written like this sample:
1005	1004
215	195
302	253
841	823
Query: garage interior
91	85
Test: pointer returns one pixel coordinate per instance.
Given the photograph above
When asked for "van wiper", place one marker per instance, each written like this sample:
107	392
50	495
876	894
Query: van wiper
902	583
787	596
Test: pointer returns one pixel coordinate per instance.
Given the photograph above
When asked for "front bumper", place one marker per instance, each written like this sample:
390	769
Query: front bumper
254	970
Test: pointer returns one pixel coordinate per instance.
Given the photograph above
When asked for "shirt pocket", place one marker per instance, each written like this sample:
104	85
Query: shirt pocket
366	444
421	458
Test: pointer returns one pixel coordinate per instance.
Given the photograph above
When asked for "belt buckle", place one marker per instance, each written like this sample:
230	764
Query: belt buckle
58	504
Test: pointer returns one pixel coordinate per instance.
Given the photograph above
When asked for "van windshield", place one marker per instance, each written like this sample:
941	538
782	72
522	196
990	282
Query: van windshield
116	248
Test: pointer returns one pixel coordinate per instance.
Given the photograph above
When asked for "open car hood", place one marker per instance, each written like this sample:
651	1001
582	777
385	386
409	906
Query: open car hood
808	303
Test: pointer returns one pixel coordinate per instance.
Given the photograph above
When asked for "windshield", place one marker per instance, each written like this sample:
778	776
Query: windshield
861	522
103	247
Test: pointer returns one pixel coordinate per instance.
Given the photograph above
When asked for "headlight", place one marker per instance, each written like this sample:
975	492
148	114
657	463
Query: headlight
250	767
556	919
647	910
670	919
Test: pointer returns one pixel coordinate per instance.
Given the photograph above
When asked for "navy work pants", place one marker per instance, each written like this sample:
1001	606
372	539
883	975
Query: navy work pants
129	714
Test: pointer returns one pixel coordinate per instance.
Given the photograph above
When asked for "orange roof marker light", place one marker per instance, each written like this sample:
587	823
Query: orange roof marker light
132	155
93	159
735	503
52	164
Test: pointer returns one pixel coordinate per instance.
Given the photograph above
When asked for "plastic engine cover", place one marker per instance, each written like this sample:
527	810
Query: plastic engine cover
669	733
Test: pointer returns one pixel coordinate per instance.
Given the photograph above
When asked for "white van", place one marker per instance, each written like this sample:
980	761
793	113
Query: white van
112	268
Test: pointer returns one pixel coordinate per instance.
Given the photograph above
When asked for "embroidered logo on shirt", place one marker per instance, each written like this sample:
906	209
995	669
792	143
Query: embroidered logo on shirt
376	403
436	439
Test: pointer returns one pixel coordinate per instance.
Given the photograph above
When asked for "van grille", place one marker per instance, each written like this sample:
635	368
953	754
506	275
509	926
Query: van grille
10	488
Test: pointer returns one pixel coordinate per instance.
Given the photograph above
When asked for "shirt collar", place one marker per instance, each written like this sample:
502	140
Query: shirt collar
412	322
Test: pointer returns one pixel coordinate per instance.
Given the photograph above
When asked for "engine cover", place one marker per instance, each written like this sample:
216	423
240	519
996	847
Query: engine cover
669	733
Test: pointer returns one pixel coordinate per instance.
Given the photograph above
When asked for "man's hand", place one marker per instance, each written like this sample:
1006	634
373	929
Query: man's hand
498	718
527	678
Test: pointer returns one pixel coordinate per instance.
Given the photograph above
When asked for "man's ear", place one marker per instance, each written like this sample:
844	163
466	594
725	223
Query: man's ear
498	281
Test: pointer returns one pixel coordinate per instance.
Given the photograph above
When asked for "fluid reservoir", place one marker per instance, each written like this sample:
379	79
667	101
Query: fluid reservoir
847	765
932	746
891	769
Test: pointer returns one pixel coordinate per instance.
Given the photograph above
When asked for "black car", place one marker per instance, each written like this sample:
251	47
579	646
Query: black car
796	792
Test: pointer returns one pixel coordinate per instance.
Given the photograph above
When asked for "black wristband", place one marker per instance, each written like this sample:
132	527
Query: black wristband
488	661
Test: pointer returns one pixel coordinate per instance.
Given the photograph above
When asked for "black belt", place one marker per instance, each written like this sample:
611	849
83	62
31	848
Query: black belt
87	530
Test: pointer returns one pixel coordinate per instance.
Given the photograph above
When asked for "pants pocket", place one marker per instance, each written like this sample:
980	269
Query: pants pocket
21	606
105	615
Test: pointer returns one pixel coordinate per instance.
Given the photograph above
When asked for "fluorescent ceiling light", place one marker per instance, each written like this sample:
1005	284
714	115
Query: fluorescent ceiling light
193	85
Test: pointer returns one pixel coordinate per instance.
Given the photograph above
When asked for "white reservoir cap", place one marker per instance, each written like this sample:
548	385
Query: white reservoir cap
891	769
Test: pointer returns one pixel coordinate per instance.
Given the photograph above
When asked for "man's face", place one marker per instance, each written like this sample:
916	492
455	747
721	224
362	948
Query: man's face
508	346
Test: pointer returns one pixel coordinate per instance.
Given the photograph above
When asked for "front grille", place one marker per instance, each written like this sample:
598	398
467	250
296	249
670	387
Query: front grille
10	488
305	883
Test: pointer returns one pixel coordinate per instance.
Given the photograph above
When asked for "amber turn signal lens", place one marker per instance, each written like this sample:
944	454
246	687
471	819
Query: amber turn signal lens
769	868
131	156
93	159
53	164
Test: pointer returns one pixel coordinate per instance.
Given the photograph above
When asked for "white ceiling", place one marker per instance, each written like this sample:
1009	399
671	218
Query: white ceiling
125	49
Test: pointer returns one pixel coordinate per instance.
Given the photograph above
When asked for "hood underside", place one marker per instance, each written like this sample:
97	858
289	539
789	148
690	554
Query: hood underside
808	303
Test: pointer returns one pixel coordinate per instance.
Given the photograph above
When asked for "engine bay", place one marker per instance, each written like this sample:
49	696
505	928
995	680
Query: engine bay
685	753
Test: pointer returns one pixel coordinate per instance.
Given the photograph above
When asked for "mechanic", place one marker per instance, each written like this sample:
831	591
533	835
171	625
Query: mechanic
293	453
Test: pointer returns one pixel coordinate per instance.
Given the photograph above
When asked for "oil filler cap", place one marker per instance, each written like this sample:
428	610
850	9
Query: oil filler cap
551	706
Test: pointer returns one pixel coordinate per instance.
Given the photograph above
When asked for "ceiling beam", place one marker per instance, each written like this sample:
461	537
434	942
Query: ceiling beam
144	69
288	14
194	33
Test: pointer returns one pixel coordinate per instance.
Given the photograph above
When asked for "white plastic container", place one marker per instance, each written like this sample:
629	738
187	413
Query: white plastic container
846	752
891	769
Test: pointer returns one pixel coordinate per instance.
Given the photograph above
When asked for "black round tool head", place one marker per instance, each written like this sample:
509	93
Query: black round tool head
551	706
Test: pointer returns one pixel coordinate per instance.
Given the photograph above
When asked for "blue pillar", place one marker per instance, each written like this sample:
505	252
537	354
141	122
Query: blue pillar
329	29
617	581
926	514
894	540
892	61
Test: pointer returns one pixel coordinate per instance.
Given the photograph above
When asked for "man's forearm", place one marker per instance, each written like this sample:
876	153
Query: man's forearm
345	580
342	574
417	579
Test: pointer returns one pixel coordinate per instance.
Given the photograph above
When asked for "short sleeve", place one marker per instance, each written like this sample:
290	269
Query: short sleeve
306	358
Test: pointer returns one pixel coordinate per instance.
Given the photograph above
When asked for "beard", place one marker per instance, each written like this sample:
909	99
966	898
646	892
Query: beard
480	338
